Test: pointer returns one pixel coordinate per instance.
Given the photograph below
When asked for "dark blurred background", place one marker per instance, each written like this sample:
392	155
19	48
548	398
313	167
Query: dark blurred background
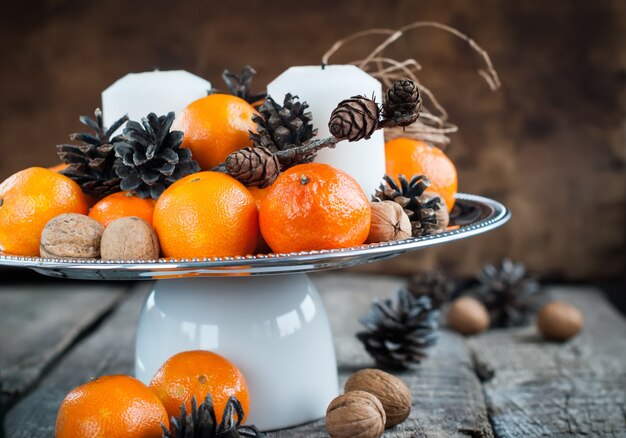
550	144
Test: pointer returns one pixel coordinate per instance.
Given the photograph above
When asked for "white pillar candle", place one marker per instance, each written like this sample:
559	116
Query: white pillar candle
159	92
323	89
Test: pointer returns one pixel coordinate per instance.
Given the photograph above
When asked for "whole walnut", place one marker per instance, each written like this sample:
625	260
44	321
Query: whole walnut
467	316
558	321
392	392
71	235
129	238
355	414
389	222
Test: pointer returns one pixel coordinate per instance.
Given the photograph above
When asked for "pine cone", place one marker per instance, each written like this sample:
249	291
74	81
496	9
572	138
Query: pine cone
201	423
511	297
256	166
239	85
402	103
397	334
150	158
427	211
354	119
92	164
283	127
433	284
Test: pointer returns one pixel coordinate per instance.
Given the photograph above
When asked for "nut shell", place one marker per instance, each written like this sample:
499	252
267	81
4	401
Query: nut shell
558	321
71	235
355	414
129	238
393	393
389	222
467	316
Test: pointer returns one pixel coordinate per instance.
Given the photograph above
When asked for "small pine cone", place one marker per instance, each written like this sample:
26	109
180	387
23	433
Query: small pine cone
402	102
354	119
256	166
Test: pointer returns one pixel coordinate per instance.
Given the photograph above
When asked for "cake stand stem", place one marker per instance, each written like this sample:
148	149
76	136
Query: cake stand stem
274	328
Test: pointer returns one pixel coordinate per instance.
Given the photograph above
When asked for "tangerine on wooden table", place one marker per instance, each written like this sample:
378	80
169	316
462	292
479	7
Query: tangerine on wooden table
214	126
28	200
206	214
122	204
112	407
197	373
410	157
312	207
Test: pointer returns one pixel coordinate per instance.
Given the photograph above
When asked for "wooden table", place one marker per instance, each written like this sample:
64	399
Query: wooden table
505	383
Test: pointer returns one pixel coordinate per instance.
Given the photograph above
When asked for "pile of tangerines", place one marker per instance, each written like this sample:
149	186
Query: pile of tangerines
122	406
310	206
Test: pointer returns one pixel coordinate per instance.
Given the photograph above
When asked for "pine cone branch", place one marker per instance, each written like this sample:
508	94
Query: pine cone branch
402	103
354	119
253	166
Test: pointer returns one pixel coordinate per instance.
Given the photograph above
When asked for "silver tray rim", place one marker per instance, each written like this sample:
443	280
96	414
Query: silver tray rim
261	264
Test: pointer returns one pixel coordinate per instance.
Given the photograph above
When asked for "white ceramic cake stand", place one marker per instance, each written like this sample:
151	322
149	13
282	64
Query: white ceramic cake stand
261	312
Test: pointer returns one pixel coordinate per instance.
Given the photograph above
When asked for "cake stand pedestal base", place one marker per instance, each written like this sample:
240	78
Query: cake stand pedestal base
274	328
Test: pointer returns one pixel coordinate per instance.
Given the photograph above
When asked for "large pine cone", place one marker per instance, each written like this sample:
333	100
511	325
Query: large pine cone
256	166
402	102
397	334
354	119
92	163
150	158
280	128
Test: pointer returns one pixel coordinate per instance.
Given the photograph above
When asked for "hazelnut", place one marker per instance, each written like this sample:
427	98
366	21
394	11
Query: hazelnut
392	392
467	316
389	222
71	235
355	414
129	238
558	321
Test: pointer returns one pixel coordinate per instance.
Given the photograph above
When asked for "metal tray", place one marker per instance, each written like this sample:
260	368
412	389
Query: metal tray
473	215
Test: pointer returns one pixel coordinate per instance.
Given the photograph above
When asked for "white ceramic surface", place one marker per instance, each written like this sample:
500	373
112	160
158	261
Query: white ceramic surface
274	328
323	89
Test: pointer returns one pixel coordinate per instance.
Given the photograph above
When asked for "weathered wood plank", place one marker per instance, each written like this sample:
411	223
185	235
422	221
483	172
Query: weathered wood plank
110	350
535	388
39	322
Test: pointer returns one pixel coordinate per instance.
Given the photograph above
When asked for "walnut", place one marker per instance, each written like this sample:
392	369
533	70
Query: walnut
389	222
558	321
467	316
129	238
355	414
392	392
71	235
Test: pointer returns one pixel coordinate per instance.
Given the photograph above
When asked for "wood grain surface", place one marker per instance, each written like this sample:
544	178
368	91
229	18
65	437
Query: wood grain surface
550	143
504	383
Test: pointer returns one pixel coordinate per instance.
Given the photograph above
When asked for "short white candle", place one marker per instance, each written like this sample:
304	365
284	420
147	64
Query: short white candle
323	89
159	92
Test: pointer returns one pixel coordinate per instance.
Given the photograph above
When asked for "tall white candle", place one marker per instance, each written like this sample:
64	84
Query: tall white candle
323	89
138	94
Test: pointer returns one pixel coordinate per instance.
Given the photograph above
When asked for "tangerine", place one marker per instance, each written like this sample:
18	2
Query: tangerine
214	126
197	373
59	167
410	157
259	195
122	204
28	200
112	407
206	214
314	206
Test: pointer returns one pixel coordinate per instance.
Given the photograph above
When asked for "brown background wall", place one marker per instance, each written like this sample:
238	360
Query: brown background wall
550	143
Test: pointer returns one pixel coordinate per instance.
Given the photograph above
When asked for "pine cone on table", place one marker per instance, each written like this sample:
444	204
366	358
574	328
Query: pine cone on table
92	163
433	284
253	166
354	119
201	422
280	128
402	103
150	158
398	332
427	211
510	295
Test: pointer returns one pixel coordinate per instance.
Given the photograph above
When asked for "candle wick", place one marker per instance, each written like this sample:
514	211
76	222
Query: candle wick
323	65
